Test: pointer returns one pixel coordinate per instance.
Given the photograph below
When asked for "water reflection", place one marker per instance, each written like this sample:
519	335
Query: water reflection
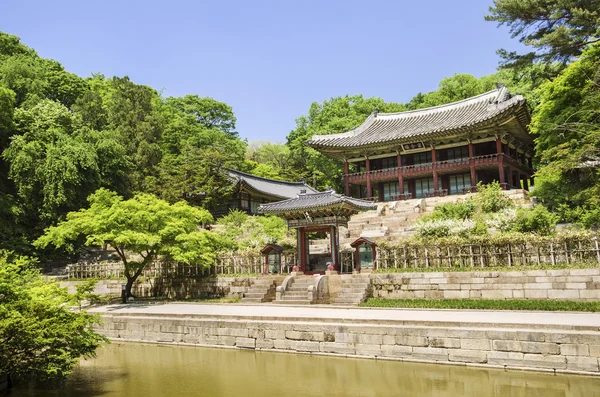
153	371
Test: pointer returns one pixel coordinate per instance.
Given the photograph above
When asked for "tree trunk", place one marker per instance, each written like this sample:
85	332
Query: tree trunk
129	285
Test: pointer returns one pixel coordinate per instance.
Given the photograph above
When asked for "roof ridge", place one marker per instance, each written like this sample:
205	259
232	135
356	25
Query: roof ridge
445	105
350	133
301	183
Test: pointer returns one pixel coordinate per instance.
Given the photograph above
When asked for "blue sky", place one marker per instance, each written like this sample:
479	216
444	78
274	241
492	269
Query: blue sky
269	60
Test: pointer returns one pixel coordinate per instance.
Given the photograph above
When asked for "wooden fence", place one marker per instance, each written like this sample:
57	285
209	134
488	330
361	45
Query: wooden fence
423	256
246	264
492	255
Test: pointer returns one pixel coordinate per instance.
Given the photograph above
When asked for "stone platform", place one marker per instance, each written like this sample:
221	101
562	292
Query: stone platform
541	341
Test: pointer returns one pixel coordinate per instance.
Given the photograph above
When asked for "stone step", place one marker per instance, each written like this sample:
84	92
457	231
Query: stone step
359	290
286	297
293	302
257	294
296	293
356	295
252	300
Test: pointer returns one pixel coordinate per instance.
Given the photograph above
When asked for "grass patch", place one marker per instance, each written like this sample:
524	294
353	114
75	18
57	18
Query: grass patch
235	299
485	304
542	266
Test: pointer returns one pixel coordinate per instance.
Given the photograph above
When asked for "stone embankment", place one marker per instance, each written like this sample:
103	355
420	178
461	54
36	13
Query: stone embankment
564	284
555	342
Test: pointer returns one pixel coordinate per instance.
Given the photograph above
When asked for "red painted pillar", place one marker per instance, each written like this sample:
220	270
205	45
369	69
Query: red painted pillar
368	165
472	165
500	161
435	175
346	172
400	175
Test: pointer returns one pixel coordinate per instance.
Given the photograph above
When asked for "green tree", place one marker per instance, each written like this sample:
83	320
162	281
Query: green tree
334	116
198	145
271	160
558	30
51	164
39	335
567	125
452	89
132	112
143	227
207	112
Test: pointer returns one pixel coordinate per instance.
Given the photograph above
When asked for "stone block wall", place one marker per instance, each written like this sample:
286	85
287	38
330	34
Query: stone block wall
556	350
565	284
175	288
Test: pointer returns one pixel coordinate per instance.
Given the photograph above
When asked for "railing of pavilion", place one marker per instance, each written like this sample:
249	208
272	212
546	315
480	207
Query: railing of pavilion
549	252
223	265
464	162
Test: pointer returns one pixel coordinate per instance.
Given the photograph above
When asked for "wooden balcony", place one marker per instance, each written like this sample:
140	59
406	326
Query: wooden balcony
441	167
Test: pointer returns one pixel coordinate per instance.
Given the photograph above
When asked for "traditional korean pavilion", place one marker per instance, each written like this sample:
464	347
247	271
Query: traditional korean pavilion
436	151
251	191
323	213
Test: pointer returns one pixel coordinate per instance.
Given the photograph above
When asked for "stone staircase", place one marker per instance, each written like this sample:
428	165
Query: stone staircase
396	219
263	290
355	289
296	293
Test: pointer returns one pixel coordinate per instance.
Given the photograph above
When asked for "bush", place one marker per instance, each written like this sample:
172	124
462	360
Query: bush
489	198
459	210
535	220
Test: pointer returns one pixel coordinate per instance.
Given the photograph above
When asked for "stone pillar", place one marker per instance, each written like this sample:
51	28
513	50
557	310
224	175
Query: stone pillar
472	165
346	172
434	167
400	176
369	192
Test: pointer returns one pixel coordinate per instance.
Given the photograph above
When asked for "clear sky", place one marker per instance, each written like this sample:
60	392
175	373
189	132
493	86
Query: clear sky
269	60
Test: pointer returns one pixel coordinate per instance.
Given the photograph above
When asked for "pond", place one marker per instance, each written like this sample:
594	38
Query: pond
122	369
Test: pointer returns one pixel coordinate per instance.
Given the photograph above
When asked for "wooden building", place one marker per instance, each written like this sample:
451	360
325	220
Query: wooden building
436	151
322	212
251	191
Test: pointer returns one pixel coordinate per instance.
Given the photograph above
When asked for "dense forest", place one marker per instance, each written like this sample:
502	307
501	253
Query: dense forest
63	137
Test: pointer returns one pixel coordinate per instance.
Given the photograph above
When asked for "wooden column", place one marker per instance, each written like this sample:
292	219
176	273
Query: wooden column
525	184
435	175
368	165
400	176
346	172
300	248
334	248
500	161
472	165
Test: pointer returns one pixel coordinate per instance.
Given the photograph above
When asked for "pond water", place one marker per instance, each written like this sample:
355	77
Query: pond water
161	370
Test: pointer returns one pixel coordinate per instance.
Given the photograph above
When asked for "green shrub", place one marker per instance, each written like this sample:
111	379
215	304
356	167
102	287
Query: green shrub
459	210
535	220
489	198
591	218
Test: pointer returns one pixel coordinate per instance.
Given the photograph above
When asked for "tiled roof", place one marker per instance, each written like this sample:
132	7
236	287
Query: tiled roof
315	201
420	124
271	187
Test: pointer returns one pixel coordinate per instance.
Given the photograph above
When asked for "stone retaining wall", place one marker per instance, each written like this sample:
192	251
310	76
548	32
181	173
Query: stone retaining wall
566	284
562	349
175	288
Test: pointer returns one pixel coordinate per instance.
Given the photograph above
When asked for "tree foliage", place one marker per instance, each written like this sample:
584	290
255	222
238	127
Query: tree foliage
333	116
567	125
558	30
139	229
39	335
